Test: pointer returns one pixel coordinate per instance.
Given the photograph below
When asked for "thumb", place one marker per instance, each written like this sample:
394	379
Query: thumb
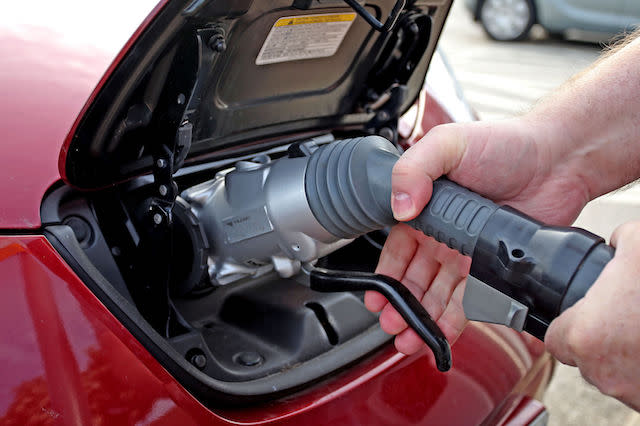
437	154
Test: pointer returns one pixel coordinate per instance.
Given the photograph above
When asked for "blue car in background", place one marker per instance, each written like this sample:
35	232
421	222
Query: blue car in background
508	20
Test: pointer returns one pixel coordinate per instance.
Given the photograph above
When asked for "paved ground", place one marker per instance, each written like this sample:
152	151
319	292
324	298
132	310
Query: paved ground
504	79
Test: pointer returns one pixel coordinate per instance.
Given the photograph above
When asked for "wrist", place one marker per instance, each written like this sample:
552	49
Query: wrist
590	127
563	149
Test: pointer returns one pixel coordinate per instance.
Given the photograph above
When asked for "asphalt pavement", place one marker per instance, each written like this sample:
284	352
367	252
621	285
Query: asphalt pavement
505	79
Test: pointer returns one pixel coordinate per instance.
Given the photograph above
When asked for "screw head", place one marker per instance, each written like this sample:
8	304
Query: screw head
217	43
157	218
161	163
163	190
81	229
220	46
249	358
383	116
199	360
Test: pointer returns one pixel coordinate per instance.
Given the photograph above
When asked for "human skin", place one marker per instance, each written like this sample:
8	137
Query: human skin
579	143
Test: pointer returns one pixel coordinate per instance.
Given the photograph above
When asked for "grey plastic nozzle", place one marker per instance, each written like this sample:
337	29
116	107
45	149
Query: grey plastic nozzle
348	186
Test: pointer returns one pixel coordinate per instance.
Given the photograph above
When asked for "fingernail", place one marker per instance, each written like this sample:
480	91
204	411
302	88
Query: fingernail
404	128
401	205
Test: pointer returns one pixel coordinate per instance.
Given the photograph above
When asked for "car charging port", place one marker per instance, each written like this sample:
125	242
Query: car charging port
258	333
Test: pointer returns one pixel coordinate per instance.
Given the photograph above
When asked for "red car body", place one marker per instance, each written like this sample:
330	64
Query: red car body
65	359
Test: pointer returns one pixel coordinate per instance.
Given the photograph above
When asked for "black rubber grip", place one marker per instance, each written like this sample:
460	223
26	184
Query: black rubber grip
325	280
454	216
587	274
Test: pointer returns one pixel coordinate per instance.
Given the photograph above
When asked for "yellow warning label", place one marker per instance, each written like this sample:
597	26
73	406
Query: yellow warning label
296	38
315	19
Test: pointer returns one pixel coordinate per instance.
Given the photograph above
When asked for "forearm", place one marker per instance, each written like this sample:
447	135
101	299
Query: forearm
591	126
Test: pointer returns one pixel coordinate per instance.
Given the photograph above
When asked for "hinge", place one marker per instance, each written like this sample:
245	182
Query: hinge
161	207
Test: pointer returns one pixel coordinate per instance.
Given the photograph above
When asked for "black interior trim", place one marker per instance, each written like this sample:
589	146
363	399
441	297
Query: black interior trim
212	392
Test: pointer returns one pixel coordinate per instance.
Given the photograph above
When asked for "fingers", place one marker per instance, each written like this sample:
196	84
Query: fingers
452	323
419	275
453	320
580	333
445	282
439	152
556	339
424	266
626	238
432	276
408	342
399	249
374	301
391	321
437	300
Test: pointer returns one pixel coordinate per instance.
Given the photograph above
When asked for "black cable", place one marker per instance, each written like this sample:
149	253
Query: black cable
371	20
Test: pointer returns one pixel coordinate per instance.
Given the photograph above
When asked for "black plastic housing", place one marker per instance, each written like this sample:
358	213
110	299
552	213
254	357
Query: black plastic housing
241	344
191	82
547	268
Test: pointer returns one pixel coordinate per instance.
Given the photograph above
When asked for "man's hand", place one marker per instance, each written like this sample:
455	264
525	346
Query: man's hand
572	147
504	161
600	333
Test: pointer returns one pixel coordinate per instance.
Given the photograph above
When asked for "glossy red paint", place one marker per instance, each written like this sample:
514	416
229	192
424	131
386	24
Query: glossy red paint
65	359
432	114
51	63
437	115
524	412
